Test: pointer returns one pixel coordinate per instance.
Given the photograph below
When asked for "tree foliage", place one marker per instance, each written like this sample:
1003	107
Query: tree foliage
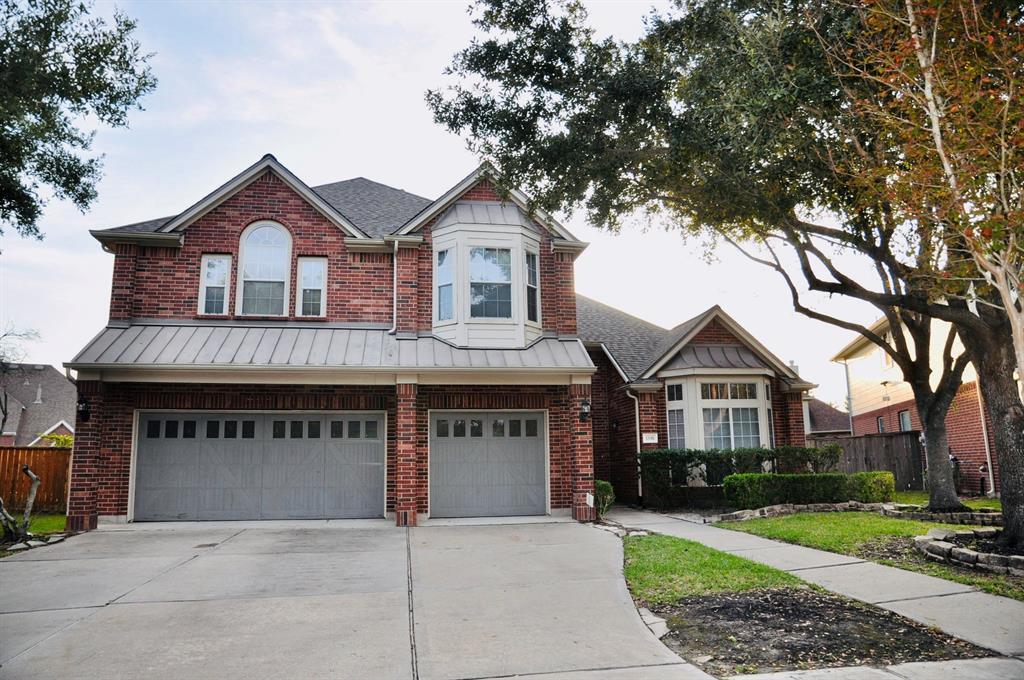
60	67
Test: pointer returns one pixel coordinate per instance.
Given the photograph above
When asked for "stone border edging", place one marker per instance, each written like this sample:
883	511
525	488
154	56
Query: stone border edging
989	518
791	509
936	546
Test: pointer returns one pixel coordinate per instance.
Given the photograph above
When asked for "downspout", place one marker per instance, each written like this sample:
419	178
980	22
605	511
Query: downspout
639	476
394	290
849	394
984	436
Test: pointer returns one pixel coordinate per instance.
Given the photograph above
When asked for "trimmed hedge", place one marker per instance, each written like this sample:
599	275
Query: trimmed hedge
748	491
666	473
604	496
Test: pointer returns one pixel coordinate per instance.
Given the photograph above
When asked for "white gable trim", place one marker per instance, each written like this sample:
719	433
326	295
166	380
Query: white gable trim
55	426
746	338
247	176
485	171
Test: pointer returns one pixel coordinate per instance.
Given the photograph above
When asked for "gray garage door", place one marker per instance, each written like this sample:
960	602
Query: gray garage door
193	466
487	464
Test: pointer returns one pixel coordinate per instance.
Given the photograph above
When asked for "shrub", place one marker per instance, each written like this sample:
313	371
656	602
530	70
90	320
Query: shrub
604	496
872	487
758	490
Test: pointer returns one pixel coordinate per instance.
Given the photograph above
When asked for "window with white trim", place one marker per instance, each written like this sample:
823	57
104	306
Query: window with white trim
532	288
490	283
266	264
717	429
731	415
880	423
905	425
676	428
215	271
444	277
311	299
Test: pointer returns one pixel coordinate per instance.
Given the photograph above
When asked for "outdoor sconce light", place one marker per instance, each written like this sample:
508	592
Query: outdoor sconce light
83	409
584	411
615	426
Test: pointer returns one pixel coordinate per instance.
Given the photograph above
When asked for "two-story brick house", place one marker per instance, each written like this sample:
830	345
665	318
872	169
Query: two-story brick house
353	350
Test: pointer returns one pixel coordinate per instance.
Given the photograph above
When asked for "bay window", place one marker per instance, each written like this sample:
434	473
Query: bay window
532	311
676	428
490	283
444	277
215	270
312	295
266	259
731	415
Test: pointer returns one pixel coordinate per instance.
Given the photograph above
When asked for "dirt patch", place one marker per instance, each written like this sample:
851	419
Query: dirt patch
797	628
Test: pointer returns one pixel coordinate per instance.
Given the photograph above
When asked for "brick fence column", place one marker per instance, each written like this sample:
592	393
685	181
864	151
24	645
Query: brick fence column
582	455
406	479
85	460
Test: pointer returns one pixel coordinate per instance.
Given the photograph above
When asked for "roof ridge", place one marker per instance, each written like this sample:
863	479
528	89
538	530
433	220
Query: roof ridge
372	181
651	324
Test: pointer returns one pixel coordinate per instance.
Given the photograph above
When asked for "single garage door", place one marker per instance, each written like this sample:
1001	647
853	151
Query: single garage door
195	466
487	464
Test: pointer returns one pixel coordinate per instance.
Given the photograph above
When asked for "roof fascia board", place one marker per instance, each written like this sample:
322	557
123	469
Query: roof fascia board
682	372
717	312
246	177
108	238
484	171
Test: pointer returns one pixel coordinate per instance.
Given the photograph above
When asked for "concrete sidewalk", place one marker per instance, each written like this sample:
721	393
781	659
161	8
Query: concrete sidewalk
993	622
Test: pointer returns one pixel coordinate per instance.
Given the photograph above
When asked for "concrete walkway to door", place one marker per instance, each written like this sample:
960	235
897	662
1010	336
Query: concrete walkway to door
353	599
993	622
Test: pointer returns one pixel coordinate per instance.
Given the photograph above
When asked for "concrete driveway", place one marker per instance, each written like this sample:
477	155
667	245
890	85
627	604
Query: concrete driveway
326	600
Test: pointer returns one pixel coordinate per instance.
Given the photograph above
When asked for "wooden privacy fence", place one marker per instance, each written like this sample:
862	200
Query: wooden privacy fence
51	464
898	452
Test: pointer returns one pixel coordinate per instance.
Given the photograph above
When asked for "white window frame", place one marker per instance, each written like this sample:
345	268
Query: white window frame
511	283
527	252
672	405
452	249
240	282
880	424
759	403
910	424
201	306
299	288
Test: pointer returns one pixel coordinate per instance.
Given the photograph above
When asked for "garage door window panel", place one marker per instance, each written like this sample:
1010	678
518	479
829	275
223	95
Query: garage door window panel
212	429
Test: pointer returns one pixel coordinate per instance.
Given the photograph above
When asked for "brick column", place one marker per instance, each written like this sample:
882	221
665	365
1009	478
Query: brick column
406	480
407	266
583	455
85	460
122	288
653	418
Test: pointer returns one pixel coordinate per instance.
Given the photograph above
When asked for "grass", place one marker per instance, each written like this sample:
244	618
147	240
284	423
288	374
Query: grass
47	524
663	569
851	532
921	498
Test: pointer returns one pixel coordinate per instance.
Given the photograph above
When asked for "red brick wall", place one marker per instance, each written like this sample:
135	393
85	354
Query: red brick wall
601	415
715	334
102	456
164	282
963	428
788	415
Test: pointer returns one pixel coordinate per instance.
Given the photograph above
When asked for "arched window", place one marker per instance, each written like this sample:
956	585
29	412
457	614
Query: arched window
266	265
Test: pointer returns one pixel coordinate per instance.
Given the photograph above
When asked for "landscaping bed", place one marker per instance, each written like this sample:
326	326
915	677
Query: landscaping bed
730	615
886	540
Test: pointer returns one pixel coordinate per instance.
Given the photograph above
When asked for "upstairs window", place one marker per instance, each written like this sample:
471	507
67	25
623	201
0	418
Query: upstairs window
532	311
445	277
213	284
266	258
905	425
490	283
312	297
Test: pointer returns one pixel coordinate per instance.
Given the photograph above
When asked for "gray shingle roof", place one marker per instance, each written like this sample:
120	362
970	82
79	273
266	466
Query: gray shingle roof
632	341
235	345
827	418
47	396
375	208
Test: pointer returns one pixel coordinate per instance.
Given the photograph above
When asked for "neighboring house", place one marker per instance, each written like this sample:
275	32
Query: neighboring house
40	401
825	420
353	350
881	401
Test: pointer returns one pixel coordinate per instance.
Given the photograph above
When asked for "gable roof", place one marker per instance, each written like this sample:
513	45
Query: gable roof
826	418
641	348
46	398
369	208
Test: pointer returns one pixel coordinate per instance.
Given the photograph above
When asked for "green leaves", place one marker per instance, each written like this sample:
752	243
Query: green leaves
59	66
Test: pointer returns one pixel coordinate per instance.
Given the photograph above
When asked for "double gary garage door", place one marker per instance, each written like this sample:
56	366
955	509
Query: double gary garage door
259	466
223	466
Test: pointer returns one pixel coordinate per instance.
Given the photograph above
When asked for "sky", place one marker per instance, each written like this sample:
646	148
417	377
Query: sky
335	91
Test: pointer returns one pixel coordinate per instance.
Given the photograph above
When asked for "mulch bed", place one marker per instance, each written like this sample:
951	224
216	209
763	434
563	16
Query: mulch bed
796	628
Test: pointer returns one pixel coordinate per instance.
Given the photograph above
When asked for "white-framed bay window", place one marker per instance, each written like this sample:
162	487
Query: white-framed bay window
676	416
265	267
711	412
214	274
444	280
532	288
311	296
490	283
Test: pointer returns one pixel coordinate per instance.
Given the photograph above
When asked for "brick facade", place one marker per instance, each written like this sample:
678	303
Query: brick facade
963	429
101	464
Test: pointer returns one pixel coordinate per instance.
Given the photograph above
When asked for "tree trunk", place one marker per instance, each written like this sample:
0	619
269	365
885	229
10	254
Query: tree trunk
994	359
933	407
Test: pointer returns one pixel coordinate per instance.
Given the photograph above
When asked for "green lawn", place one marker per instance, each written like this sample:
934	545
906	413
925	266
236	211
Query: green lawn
921	498
858	533
663	569
47	524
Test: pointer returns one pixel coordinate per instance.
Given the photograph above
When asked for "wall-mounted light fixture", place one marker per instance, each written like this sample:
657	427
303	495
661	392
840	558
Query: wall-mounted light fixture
83	410
584	411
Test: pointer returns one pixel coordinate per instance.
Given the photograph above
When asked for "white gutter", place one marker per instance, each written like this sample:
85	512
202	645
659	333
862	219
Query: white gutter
394	291
984	436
